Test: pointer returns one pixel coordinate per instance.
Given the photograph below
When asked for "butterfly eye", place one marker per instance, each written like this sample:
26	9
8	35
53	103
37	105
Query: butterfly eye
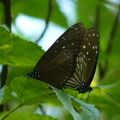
71	61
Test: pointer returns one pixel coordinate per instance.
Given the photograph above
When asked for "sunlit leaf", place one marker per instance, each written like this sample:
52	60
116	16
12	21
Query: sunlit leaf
5	40
23	53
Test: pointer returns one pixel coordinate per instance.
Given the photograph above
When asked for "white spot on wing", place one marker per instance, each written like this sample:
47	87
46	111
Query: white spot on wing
63	47
88	43
84	46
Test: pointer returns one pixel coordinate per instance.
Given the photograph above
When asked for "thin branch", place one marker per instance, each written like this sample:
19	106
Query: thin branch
113	32
7	12
97	21
7	21
110	44
4	117
50	7
42	109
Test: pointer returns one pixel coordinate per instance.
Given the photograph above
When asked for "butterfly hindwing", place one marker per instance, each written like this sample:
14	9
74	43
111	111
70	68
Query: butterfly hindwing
85	61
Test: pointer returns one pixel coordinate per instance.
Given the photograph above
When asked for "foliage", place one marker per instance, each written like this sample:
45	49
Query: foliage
19	92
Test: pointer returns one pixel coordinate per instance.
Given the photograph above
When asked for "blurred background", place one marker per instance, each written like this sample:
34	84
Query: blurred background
43	21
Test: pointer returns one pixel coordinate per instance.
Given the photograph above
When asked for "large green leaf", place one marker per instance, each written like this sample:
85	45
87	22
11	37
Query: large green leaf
23	53
31	91
87	111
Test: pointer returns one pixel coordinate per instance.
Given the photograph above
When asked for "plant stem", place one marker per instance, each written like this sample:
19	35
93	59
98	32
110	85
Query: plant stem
10	112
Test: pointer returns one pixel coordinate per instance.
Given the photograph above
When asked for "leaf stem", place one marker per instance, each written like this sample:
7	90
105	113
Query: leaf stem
10	112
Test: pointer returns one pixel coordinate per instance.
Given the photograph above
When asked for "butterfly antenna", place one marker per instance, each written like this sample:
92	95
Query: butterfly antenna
105	92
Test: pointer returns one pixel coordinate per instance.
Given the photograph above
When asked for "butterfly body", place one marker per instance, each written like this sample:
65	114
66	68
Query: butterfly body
71	61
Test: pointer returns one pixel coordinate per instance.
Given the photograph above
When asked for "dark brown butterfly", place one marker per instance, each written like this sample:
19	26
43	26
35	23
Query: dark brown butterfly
71	61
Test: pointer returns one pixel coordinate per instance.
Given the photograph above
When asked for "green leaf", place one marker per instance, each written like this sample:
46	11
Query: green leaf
26	116
65	99
5	94
31	91
88	111
23	53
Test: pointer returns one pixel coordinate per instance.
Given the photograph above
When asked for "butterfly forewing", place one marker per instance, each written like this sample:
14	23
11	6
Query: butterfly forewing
58	63
85	62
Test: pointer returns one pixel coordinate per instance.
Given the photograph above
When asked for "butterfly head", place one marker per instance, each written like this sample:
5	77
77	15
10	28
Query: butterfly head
34	74
83	88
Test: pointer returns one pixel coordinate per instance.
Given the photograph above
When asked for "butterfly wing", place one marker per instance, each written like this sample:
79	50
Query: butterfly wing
85	62
57	65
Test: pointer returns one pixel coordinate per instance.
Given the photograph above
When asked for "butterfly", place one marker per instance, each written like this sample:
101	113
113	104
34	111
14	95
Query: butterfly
71	61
